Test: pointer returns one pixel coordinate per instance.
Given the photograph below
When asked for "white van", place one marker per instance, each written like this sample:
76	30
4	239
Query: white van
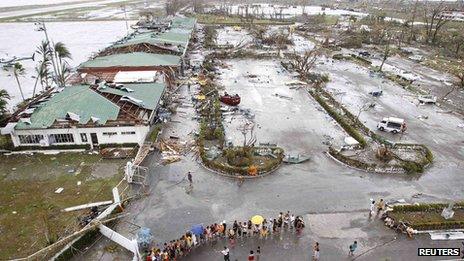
392	124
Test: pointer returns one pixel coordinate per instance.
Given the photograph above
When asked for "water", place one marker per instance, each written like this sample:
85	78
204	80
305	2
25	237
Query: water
81	38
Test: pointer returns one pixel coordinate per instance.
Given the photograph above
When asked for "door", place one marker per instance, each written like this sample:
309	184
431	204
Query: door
94	138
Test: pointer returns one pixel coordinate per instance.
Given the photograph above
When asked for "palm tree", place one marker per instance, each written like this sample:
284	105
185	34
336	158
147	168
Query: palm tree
61	53
64	72
18	70
4	96
43	72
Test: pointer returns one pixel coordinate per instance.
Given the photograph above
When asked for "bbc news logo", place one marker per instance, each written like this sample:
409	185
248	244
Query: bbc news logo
455	251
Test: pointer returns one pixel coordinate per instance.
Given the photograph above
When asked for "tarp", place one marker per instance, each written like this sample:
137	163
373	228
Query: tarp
197	230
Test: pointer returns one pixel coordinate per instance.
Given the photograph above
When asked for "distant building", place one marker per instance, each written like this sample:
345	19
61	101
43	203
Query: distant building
453	15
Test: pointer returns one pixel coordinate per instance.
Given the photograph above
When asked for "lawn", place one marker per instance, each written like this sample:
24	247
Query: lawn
30	210
229	20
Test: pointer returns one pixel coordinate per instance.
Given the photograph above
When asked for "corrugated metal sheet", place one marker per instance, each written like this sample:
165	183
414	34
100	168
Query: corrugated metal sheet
132	60
149	93
80	100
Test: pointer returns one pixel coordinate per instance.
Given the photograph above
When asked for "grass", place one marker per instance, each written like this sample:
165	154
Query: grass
154	133
230	20
424	220
28	205
5	142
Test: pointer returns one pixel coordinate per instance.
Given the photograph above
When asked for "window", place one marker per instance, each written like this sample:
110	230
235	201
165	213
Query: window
394	125
84	137
61	138
128	133
30	139
110	133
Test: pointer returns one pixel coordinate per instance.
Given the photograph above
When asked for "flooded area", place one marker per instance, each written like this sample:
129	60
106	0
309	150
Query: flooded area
93	36
234	36
286	11
280	111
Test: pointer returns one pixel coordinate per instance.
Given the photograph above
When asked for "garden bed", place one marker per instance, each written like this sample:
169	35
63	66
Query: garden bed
428	216
408	158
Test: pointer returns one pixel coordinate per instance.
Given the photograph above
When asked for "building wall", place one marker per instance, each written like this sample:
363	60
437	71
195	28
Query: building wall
139	136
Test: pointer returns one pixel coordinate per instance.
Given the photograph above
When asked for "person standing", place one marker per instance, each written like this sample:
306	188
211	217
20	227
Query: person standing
258	253
251	256
224	224
353	248
372	209
380	206
226	254
316	253
190	179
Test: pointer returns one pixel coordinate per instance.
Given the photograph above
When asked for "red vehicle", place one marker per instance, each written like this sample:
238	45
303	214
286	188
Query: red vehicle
232	100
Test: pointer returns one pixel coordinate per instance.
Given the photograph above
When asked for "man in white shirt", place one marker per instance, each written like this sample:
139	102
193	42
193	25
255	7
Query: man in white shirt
225	252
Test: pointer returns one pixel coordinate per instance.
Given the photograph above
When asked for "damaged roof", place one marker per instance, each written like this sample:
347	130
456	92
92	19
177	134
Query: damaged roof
174	38
136	59
149	93
183	22
79	100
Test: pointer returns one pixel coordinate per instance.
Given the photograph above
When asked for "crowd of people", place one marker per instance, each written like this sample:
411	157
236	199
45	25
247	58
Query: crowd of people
178	248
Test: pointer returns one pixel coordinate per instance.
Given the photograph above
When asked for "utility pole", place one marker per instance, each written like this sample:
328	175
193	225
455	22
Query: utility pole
123	7
43	28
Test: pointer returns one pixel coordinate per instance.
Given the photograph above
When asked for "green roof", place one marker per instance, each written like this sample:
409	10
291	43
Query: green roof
183	22
132	60
149	93
175	38
80	100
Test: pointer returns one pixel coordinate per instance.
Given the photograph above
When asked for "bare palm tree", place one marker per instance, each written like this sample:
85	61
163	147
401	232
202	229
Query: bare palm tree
61	53
18	70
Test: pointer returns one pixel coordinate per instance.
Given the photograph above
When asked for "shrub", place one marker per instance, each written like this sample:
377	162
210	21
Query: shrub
336	116
118	145
53	147
425	207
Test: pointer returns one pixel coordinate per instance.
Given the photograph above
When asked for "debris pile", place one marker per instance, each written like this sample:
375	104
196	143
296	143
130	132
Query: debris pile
173	149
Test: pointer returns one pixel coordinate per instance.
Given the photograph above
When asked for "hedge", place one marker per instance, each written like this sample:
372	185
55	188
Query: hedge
53	147
118	145
438	225
346	126
425	207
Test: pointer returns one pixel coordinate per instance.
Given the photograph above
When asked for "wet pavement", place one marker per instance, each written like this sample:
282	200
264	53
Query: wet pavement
332	198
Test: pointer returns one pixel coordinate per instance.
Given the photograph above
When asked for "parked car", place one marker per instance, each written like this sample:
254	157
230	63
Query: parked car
427	99
392	124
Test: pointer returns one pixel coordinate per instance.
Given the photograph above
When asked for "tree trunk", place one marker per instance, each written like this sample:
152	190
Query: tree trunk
19	85
383	61
458	48
35	85
448	93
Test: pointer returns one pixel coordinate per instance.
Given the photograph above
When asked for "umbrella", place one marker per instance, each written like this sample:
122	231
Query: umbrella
197	230
257	220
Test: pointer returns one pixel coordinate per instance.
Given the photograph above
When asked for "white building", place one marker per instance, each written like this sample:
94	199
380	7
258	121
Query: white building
85	116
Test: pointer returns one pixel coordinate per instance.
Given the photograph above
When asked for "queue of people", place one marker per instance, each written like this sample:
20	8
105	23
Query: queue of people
200	235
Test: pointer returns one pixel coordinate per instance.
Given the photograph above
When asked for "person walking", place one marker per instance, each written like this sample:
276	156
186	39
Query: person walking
226	254
251	256
316	251
258	253
353	248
